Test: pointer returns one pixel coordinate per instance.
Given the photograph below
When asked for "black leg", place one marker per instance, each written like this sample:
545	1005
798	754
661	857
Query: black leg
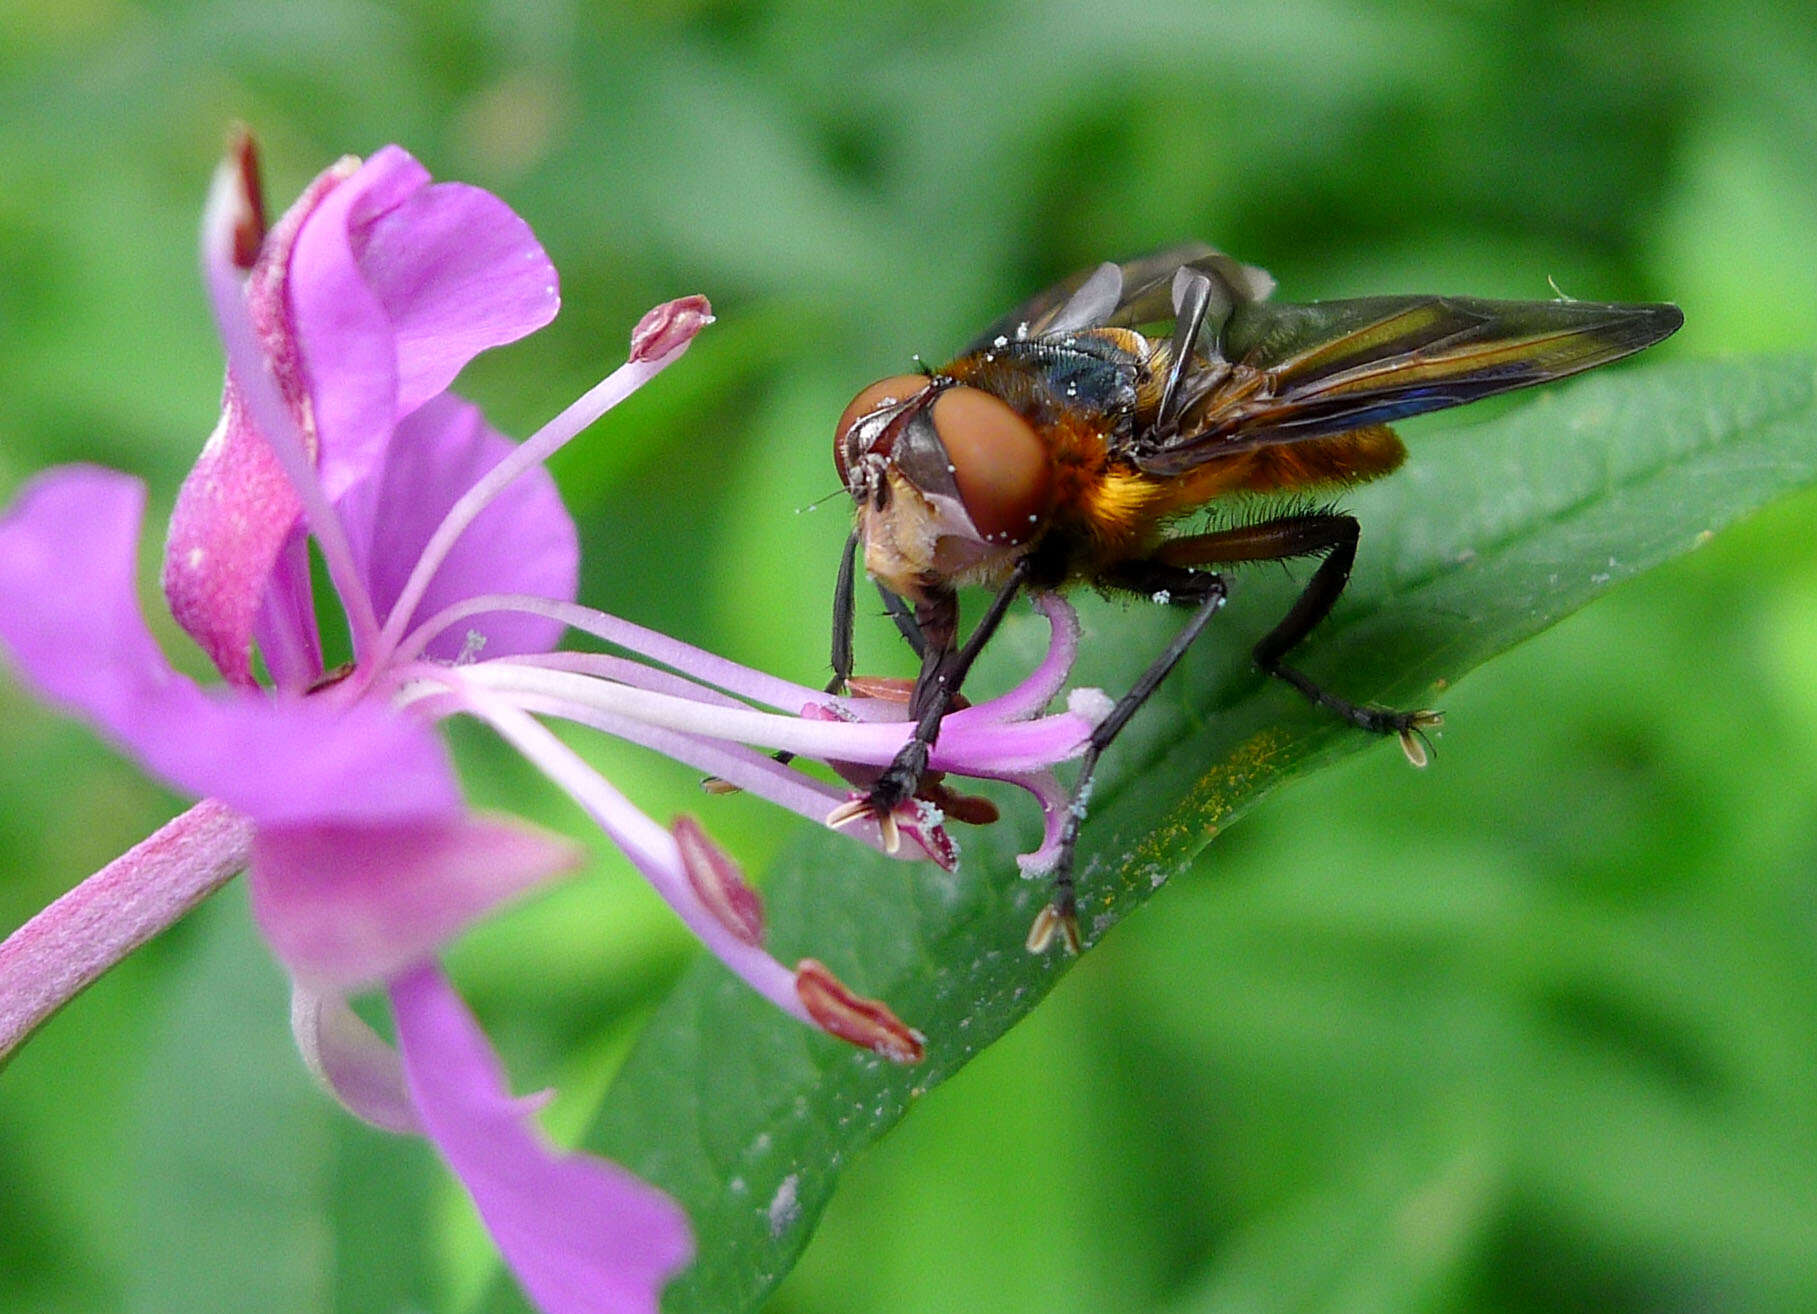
844	611
1206	591
904	617
842	615
1334	537
943	670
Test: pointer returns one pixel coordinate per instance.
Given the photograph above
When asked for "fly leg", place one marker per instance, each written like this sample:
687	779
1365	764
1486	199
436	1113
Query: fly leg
904	617
943	669
844	609
1199	589
1322	534
842	615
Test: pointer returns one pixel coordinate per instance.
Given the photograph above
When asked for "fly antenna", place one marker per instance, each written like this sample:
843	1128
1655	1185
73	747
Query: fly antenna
818	502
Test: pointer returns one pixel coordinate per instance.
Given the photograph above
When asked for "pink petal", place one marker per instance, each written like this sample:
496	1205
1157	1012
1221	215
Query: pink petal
70	617
339	328
69	609
287	761
394	285
345	906
351	1060
232	515
457	273
522	542
582	1235
367	298
237	506
285	626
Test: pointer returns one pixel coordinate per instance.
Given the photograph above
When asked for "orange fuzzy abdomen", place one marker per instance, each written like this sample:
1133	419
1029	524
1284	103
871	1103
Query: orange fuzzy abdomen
1121	512
1341	459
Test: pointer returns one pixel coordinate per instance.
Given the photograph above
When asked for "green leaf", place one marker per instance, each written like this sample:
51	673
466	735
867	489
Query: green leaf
1492	533
235	1180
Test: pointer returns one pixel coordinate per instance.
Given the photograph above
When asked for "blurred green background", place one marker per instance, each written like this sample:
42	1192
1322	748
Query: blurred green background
1533	1030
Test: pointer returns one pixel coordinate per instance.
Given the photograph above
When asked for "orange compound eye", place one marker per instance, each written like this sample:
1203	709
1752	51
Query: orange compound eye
879	396
999	463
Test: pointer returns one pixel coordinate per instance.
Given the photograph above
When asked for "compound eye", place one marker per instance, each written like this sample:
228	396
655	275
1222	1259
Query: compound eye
879	396
999	463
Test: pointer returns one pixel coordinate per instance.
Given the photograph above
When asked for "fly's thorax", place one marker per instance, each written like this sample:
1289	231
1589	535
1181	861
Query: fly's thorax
1093	373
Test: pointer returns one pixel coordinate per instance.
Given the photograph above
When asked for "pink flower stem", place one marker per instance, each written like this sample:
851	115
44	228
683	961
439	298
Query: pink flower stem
57	954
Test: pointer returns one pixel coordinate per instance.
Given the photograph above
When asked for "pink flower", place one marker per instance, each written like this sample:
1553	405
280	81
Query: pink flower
455	564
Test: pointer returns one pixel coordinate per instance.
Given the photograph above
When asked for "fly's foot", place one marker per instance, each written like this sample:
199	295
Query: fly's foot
896	803
864	807
899	781
915	819
1060	917
1409	727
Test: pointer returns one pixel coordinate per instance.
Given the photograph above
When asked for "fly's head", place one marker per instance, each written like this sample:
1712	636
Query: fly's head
949	481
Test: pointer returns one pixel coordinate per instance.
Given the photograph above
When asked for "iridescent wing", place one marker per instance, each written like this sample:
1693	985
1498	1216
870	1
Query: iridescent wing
1133	294
1283	373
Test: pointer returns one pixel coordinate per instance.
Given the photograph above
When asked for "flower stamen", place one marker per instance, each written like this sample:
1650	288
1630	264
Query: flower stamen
842	1012
718	882
709	668
670	328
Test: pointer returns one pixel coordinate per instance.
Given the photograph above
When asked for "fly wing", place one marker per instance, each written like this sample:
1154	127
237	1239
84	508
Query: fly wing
1133	294
1282	373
